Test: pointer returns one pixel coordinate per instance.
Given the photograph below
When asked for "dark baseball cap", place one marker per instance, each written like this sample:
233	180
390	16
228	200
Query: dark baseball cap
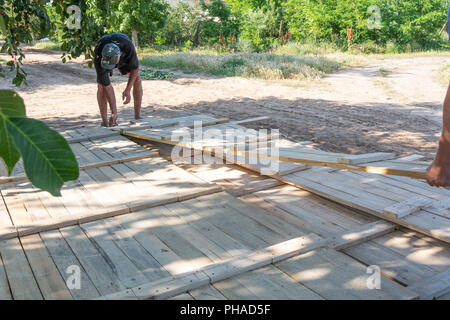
110	56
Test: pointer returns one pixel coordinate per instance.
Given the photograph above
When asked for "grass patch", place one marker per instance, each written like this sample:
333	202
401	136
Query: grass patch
156	75
267	66
48	45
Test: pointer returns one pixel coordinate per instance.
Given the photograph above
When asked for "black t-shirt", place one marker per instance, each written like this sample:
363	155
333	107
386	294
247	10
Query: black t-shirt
128	57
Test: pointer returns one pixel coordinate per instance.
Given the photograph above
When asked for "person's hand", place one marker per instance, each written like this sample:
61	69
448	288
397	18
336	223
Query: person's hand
438	175
126	96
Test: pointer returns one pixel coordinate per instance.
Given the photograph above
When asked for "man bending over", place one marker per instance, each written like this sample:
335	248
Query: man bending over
116	51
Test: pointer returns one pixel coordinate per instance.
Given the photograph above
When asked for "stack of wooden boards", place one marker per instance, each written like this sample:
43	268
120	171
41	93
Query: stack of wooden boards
146	228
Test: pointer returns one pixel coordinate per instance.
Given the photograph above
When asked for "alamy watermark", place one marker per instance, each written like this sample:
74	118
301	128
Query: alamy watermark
204	145
374	280
374	20
73	281
74	20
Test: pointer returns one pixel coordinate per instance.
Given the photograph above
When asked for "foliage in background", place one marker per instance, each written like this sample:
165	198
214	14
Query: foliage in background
144	16
47	158
256	65
234	25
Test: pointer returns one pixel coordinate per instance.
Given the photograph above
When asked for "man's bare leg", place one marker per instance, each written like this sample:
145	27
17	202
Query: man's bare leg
137	97
102	104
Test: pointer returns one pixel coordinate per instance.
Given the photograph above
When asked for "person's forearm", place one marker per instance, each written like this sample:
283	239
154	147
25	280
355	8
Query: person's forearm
446	118
443	153
109	92
132	78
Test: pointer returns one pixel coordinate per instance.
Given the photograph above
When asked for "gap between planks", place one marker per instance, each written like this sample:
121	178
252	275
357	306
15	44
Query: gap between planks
174	285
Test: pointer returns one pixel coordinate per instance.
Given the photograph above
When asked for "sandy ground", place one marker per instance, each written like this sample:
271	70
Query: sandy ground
355	111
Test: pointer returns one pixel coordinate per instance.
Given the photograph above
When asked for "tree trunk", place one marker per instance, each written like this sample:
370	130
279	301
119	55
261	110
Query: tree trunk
134	38
197	34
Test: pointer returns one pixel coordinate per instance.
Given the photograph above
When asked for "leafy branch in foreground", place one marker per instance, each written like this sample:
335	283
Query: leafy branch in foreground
47	157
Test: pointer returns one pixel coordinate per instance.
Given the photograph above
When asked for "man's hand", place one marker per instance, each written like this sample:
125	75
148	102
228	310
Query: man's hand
438	175
126	95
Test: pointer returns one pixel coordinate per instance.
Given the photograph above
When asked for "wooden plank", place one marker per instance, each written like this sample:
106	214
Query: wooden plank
415	247
365	158
251	120
422	221
5	293
270	283
189	215
432	287
143	261
144	228
98	267
391	264
126	271
254	187
207	292
412	157
21	280
286	155
225	221
64	260
92	137
201	242
166	288
361	234
50	282
255	260
183	296
404	208
250	226
232	289
334	275
80	215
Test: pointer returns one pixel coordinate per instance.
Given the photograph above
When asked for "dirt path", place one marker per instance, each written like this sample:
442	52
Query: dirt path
392	105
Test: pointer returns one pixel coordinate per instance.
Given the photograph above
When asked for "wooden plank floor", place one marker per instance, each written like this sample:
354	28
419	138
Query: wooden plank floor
403	255
116	253
95	150
107	190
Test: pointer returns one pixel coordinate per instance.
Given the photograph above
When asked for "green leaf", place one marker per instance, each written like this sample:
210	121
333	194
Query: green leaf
11	104
47	157
3	26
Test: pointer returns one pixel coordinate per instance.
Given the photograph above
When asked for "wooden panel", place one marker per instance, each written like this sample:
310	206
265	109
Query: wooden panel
50	282
207	292
64	260
143	261
334	275
337	189
433	287
20	277
391	263
5	293
125	270
98	267
171	250
269	283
